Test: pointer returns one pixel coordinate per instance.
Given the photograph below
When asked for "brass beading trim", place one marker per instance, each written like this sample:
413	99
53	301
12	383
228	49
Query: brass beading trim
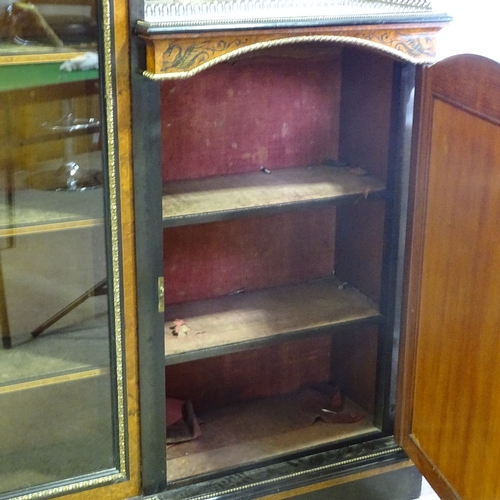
113	187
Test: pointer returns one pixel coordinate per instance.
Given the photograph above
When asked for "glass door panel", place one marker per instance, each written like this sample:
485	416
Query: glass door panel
60	360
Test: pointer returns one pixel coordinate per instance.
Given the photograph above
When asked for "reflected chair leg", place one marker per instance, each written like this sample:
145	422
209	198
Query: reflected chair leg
4	318
100	289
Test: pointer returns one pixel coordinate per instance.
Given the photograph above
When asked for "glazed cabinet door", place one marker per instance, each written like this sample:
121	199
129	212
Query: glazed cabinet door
449	417
65	294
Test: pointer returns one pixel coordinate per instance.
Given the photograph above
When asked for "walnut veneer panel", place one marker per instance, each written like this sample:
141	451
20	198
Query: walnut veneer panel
360	245
174	56
366	110
456	417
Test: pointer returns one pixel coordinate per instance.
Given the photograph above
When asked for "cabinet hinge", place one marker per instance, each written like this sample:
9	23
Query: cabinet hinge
161	294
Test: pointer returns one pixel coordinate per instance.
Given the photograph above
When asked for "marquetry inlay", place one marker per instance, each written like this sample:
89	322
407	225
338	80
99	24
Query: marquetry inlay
170	57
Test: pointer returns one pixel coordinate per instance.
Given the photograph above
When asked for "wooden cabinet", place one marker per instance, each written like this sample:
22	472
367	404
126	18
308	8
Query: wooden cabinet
67	397
298	233
307	217
256	204
427	217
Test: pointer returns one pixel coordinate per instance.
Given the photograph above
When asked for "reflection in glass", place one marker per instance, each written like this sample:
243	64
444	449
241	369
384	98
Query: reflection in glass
56	374
42	26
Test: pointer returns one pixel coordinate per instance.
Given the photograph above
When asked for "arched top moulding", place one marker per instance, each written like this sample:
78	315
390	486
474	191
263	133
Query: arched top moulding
184	37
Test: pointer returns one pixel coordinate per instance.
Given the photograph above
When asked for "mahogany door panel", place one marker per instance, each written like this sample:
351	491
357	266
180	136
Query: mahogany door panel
449	415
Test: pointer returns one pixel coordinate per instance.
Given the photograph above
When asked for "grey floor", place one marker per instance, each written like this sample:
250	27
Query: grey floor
427	492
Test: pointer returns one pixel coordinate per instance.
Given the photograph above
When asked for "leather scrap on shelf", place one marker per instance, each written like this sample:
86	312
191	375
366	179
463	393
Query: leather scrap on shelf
324	402
268	417
182	424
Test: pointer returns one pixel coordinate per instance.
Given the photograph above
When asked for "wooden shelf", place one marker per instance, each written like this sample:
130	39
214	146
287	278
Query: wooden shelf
252	319
218	198
250	432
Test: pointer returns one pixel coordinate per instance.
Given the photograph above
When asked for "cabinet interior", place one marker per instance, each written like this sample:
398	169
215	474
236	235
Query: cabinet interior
275	170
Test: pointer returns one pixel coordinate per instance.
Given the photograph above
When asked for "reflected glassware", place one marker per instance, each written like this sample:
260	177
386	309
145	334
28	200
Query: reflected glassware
70	176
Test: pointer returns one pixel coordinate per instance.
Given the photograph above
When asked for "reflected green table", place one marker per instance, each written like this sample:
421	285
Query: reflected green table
21	76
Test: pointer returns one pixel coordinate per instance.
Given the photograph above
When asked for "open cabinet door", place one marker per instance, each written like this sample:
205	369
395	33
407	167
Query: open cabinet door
449	414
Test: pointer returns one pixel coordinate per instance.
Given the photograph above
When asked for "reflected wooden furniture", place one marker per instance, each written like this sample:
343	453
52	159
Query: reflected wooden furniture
28	95
100	288
4	318
53	30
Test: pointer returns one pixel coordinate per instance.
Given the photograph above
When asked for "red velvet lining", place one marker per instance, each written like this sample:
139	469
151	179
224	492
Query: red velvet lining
215	259
235	117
